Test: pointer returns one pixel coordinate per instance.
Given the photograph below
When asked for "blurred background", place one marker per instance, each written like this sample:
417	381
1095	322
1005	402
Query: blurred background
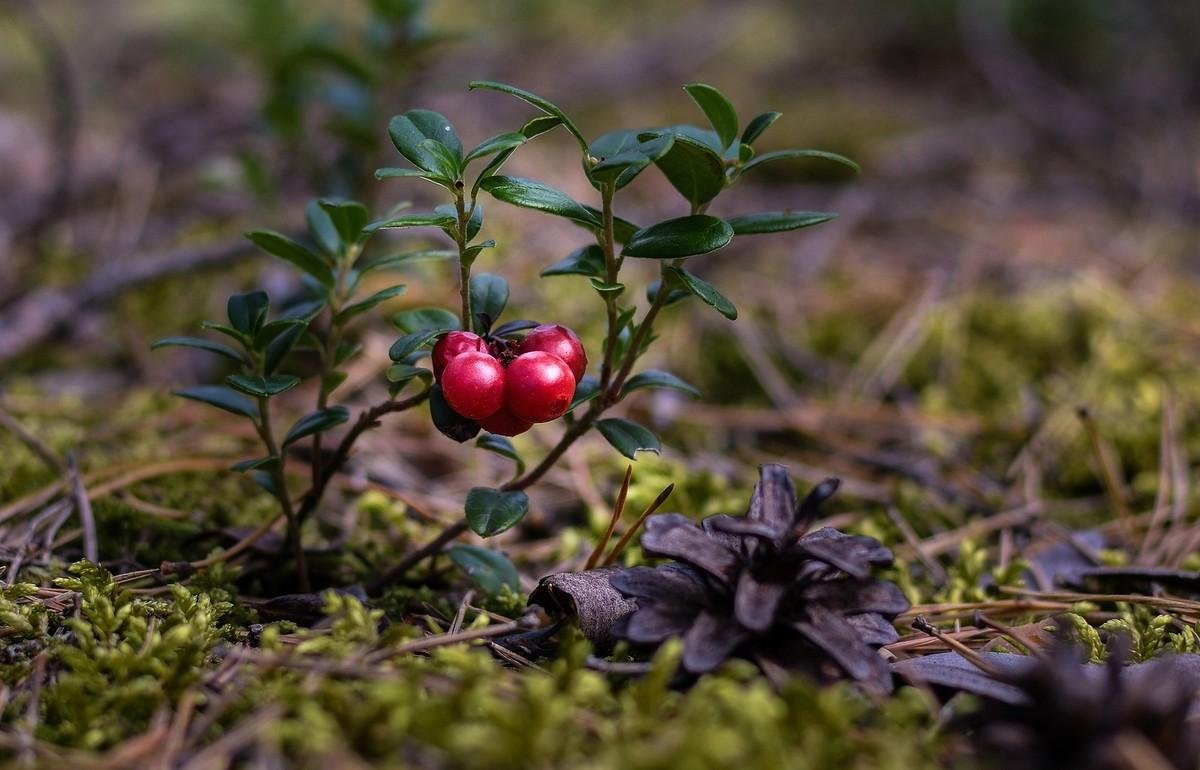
1022	240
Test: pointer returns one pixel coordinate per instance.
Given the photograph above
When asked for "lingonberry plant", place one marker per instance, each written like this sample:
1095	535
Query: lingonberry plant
498	378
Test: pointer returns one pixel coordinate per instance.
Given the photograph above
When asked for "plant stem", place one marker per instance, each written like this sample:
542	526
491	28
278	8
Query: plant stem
329	350
281	493
611	268
464	265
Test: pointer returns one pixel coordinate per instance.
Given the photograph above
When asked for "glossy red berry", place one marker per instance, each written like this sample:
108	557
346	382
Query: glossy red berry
473	384
538	386
557	341
452	345
505	423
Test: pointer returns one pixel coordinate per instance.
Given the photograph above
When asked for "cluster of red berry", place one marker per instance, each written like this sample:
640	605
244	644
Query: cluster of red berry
505	386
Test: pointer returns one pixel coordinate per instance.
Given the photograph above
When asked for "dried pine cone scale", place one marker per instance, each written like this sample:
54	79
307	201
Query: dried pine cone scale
761	585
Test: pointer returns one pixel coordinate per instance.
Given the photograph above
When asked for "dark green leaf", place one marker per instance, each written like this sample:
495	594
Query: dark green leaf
247	311
332	380
471	252
704	290
586	260
362	306
426	318
767	157
445	165
776	221
673	294
717	109
410	343
491	511
587	389
265	463
623	229
510	328
537	101
490	570
760	123
653	378
623	154
273	329
604	287
322	229
693	168
449	422
497	143
199	344
348	217
627	437
403	373
409	130
263	387
222	398
316	422
228	331
682	237
535	195
279	347
501	446
412	220
287	249
393	172
475	222
489	294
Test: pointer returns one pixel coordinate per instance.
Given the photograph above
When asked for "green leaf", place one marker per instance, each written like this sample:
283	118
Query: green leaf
586	260
623	229
489	294
401	374
682	237
316	422
475	221
222	398
587	388
768	157
199	344
332	380
491	511
673	294
501	446
228	331
497	143
269	462
542	104
534	127
776	221
286	249
348	218
273	329
279	347
246	312
490	570
322	229
262	387
393	172
426	319
627	437
471	252
362	306
535	195
693	168
411	220
410	343
760	123
653	378
623	154
409	130
717	109
604	287
704	290
446	165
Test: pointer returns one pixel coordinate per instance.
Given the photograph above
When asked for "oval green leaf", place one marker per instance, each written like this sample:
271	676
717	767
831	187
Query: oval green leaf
490	570
489	295
653	378
755	128
702	289
316	422
426	319
222	398
628	437
535	195
492	511
198	343
768	157
682	237
586	260
777	221
717	109
288	250
262	387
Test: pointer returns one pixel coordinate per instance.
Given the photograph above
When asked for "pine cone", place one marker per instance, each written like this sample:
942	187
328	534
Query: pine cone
760	587
1076	716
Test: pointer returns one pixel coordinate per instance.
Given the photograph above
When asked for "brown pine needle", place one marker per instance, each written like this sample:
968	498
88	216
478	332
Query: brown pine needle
1109	473
618	509
925	627
625	538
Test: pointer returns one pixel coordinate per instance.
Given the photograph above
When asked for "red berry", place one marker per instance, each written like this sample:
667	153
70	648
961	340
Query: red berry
453	344
538	386
557	341
473	384
505	423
